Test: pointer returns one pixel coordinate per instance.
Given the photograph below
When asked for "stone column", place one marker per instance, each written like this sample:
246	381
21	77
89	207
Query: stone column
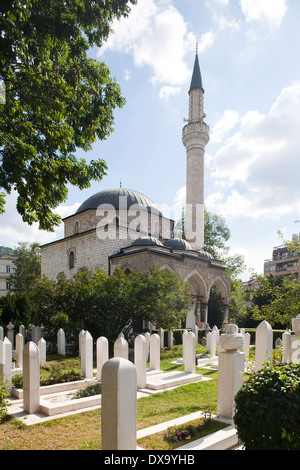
155	352
121	348
190	353
38	334
195	330
184	333
119	405
204	313
161	334
263	344
295	340
80	336
140	360
22	331
286	340
247	338
42	345
232	328
31	378
102	355
231	369
225	309
170	339
147	337
10	334
19	350
208	342
6	364
61	342
213	342
87	356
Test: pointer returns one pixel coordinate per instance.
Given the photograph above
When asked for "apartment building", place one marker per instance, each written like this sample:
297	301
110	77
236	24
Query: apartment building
283	261
6	268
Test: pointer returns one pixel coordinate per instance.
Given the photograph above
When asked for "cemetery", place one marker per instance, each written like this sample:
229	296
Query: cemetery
129	376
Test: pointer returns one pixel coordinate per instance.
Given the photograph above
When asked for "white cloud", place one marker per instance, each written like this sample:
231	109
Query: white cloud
127	75
206	41
216	7
166	91
259	163
224	124
156	35
270	12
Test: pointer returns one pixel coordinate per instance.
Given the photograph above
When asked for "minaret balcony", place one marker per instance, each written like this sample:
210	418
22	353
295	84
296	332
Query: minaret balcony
195	127
195	135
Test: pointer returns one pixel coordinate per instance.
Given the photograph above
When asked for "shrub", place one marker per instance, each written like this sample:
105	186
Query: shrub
60	376
90	390
267	409
4	403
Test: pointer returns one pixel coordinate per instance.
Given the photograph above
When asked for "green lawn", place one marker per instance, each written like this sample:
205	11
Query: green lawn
83	430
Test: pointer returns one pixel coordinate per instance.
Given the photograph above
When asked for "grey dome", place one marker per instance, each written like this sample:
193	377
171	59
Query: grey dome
146	241
204	254
177	244
110	197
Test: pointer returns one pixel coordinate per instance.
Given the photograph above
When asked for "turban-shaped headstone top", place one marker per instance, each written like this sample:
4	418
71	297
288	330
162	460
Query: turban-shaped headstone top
232	341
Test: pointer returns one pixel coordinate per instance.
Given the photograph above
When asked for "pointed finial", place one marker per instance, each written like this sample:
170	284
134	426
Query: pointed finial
120	184
196	47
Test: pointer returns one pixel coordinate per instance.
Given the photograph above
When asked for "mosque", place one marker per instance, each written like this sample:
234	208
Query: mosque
124	228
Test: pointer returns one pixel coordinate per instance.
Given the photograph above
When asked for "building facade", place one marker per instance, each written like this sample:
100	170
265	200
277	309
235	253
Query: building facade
122	228
283	261
6	268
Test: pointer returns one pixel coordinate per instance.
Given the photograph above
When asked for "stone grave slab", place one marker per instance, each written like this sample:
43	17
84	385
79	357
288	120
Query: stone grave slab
171	379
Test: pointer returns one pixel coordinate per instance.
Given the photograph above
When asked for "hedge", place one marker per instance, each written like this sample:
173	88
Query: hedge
267	409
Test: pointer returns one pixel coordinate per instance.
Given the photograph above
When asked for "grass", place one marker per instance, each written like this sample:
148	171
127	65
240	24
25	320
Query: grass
83	431
177	436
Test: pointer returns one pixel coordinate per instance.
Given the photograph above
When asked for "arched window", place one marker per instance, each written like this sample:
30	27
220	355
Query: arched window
76	227
71	260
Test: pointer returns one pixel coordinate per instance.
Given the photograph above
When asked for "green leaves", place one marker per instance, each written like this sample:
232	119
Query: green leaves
277	300
270	397
105	305
58	100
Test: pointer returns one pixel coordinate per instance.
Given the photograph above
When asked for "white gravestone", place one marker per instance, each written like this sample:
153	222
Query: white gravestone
31	378
140	360
102	355
263	344
231	369
119	405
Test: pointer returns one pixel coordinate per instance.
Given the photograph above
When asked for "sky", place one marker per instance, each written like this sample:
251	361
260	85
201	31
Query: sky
249	58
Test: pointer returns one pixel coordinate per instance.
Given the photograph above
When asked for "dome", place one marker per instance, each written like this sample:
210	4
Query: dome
111	197
204	254
177	244
146	241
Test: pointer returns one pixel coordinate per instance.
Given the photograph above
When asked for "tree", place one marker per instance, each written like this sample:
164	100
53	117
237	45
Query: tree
106	305
16	308
27	267
57	99
216	234
237	308
277	300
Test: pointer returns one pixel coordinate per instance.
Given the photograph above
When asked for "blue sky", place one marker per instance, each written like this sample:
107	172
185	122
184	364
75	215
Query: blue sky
249	59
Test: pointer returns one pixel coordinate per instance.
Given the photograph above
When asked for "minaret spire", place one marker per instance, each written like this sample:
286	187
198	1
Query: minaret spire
195	136
196	81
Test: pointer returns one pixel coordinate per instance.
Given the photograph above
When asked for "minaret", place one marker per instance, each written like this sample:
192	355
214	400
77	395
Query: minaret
195	136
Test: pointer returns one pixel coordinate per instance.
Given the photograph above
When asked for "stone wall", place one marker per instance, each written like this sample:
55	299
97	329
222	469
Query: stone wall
200	273
88	249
